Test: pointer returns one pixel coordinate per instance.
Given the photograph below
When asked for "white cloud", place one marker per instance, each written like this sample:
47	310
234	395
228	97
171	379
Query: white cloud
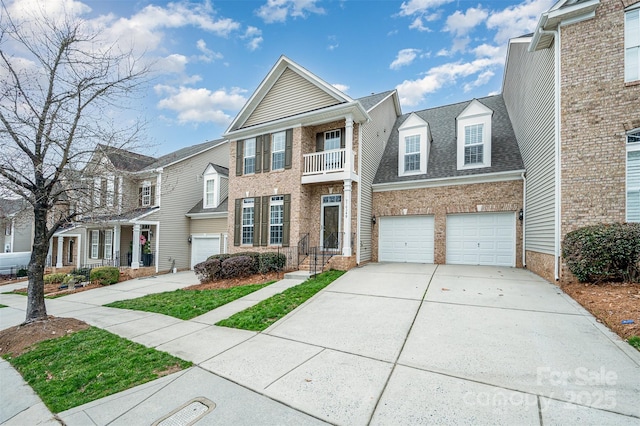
481	80
412	92
341	87
405	57
444	52
280	10
461	23
174	63
418	25
254	35
333	43
208	55
200	105
413	7
517	20
488	51
24	9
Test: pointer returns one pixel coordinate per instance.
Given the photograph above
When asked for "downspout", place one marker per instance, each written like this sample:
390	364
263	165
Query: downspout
524	219
159	185
556	257
157	246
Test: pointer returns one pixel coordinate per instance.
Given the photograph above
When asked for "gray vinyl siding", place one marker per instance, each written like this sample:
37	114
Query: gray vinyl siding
374	136
182	188
209	226
224	188
300	94
528	93
23	238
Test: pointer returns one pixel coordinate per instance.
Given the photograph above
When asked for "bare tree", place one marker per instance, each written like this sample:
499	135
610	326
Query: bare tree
59	84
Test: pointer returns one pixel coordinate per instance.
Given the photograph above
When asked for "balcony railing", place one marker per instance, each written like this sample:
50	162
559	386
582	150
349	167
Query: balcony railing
319	163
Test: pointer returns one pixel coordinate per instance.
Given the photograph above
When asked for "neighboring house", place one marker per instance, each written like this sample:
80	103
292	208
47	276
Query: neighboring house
303	157
138	205
16	226
572	90
449	187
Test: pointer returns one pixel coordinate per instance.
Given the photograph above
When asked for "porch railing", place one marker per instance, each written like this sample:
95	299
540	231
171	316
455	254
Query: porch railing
326	162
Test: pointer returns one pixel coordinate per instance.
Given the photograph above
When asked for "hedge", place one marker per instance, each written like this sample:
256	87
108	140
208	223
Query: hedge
238	266
213	268
105	275
209	270
54	278
604	252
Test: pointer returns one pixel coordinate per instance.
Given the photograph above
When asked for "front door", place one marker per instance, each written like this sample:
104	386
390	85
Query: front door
331	221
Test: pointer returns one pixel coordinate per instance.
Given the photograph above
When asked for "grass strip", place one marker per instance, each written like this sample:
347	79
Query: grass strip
187	304
634	341
260	316
3	306
90	364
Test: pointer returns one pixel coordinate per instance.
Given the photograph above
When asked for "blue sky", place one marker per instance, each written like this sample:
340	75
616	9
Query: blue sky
211	56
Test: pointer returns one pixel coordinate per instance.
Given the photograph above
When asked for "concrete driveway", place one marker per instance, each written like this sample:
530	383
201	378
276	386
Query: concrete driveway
416	344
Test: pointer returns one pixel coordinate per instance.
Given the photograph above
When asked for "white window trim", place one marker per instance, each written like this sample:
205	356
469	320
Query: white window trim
413	126
146	197
205	200
283	135
111	184
247	203
474	113
276	200
630	147
95	244
108	244
337	136
245	157
628	44
97	188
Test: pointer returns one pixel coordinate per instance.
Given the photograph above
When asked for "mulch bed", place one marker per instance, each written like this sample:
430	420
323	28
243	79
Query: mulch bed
16	340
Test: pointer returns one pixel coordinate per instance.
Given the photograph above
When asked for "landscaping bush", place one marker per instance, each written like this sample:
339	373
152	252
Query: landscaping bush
85	272
209	270
54	278
76	279
605	252
22	272
221	257
255	259
271	262
238	266
105	275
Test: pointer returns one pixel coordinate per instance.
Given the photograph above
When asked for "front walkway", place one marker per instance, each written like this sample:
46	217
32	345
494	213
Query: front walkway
384	344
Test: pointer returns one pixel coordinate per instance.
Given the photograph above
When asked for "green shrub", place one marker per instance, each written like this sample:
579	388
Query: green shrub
221	257
76	279
237	266
209	270
271	262
22	272
255	260
85	272
605	252
105	275
54	278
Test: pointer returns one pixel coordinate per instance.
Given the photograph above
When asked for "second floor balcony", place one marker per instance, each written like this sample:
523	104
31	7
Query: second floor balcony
327	166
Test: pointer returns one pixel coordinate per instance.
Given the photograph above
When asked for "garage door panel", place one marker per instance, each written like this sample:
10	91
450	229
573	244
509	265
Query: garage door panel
203	247
481	239
406	239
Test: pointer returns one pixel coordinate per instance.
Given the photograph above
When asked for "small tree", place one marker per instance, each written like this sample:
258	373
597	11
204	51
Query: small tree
60	81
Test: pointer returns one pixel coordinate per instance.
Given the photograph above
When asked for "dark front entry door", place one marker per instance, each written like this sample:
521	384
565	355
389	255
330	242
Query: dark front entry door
331	218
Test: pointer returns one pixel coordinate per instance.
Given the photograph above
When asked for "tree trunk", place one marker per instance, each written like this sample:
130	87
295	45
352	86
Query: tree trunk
36	309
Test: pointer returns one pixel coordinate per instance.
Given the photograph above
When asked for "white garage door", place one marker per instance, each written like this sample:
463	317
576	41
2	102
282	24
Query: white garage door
203	247
406	239
482	239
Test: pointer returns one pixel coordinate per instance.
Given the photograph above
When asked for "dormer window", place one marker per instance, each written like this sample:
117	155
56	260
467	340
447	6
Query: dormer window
209	192
146	194
215	180
414	137
474	136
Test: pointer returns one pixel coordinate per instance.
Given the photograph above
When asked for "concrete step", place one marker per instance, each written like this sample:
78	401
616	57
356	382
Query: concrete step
298	275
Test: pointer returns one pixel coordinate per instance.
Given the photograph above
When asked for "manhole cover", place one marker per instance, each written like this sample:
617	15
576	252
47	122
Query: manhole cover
187	413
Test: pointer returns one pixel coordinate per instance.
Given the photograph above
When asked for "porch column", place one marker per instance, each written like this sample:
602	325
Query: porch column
135	255
49	253
348	143
346	221
59	254
116	244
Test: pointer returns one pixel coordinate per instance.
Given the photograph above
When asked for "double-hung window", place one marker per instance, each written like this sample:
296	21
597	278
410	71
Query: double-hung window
210	193
276	220
332	144
473	144
250	156
632	44
412	153
247	220
146	194
95	244
633	176
108	244
277	150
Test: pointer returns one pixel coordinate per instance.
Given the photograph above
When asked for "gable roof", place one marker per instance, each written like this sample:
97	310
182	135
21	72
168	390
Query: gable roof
124	160
563	10
223	171
183	154
442	161
199	210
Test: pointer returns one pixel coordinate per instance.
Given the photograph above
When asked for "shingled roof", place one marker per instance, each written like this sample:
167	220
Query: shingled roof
442	162
183	153
372	100
125	160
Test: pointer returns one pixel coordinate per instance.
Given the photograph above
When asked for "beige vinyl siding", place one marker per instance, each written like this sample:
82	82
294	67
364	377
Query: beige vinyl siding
224	188
209	226
530	102
23	235
375	135
182	188
290	95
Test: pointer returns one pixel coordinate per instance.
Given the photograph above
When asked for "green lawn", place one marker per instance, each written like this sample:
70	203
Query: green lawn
3	306
88	365
259	317
634	341
187	304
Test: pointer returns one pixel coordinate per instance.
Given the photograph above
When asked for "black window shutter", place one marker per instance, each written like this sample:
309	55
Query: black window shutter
152	201
266	212
320	142
288	150
258	161
266	153
342	143
237	222
239	157
100	244
286	220
256	221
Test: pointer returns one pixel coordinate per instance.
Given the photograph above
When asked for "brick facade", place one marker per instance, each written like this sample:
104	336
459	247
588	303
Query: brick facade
597	109
440	201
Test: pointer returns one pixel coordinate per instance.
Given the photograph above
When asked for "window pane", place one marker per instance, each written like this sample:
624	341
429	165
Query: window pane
247	221
210	192
277	161
332	140
632	29
473	134
633	137
412	144
250	165
633	186
632	64
275	224
411	162
473	154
